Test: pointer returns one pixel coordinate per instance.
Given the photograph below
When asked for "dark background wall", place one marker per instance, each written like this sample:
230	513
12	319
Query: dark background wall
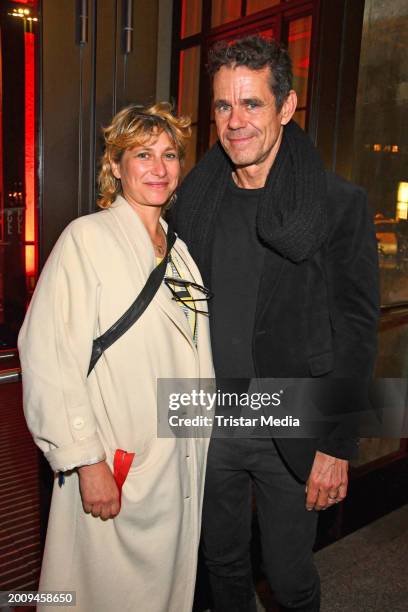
334	86
82	87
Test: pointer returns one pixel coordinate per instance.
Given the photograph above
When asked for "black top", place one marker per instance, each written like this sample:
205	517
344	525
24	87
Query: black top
237	261
312	320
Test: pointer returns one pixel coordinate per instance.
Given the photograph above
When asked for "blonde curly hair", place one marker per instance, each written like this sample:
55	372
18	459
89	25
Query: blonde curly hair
134	126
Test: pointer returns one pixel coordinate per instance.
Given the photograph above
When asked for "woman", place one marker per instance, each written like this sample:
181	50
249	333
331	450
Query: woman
142	554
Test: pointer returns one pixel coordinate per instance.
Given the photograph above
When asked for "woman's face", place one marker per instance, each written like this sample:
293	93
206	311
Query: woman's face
149	174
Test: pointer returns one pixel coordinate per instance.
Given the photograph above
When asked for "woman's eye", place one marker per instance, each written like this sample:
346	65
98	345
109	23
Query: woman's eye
171	156
142	155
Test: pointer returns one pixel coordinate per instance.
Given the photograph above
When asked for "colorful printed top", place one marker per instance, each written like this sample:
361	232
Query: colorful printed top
183	293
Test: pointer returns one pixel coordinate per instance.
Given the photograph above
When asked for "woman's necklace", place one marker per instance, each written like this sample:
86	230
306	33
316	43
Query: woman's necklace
160	249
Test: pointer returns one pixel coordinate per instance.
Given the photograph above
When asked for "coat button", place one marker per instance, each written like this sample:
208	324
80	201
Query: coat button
78	423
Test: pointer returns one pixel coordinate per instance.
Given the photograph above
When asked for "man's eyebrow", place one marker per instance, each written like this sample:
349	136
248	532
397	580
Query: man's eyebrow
255	100
221	102
252	101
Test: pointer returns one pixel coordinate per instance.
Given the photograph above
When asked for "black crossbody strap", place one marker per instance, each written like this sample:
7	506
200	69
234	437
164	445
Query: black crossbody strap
135	311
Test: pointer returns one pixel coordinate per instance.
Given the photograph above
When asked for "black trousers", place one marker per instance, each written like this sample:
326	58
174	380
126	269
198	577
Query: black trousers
235	467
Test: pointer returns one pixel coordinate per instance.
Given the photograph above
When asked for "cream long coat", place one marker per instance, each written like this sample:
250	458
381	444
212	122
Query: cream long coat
144	560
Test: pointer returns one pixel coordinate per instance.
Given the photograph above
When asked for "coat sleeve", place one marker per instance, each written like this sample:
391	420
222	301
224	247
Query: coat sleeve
55	345
353	281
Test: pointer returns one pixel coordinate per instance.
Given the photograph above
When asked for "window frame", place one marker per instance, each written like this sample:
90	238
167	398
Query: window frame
276	17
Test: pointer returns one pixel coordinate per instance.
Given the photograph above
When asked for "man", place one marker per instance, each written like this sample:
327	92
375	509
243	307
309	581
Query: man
289	251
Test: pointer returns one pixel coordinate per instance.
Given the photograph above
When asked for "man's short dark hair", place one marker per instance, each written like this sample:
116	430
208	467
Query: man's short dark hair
255	53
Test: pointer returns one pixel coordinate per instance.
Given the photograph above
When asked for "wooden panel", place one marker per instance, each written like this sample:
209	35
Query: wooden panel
347	95
140	65
164	49
324	103
331	122
107	58
60	116
83	86
86	86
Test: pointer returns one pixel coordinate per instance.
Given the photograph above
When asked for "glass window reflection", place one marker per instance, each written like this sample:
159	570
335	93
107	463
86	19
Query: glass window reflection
381	139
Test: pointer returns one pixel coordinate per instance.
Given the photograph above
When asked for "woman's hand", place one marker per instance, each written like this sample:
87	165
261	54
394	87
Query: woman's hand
99	492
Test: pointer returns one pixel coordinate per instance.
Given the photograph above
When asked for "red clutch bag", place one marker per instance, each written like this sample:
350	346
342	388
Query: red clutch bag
121	466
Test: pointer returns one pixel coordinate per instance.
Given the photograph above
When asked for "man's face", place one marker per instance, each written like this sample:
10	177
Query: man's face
248	124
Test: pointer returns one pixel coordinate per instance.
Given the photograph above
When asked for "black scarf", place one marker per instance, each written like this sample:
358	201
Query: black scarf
292	216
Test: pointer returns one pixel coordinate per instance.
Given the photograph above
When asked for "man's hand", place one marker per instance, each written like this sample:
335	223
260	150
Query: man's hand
99	492
327	483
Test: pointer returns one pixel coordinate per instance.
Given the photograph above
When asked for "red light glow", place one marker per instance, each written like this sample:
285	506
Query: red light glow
30	220
1	155
30	260
304	63
1	193
299	36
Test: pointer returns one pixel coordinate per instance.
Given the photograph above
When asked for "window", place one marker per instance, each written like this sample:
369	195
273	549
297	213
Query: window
190	17
381	139
224	11
299	35
188	95
18	166
198	25
381	166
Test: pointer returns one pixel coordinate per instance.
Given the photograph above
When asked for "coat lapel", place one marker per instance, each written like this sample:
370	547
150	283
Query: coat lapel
142	250
203	330
136	235
169	306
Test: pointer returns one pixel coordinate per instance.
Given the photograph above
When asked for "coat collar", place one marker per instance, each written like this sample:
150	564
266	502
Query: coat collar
142	250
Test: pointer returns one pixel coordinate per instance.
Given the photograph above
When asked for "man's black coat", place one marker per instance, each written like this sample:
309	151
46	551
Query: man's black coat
315	317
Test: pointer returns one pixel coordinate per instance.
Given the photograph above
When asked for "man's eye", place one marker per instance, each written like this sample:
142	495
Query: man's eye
252	105
222	107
